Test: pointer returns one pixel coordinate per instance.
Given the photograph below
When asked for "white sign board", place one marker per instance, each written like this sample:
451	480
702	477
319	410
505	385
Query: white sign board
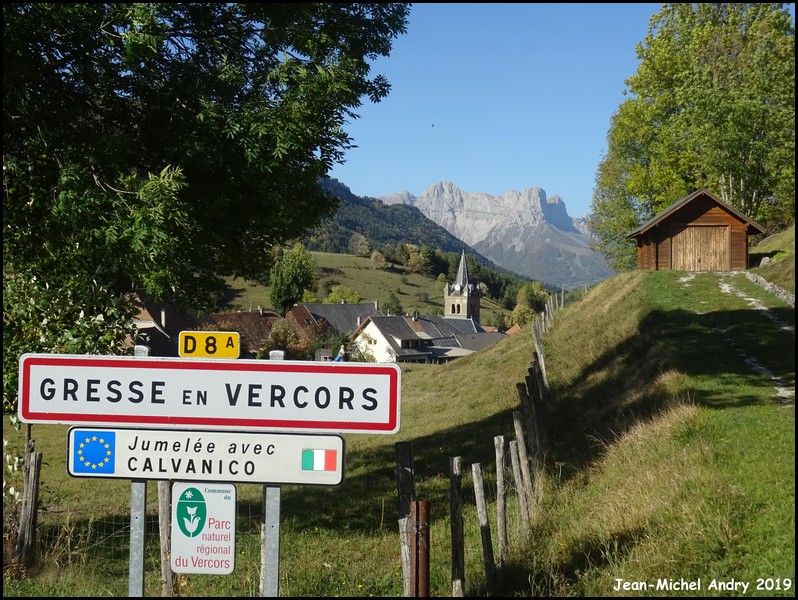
203	528
190	455
218	394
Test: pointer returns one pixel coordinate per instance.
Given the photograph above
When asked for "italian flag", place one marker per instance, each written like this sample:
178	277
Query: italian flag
318	460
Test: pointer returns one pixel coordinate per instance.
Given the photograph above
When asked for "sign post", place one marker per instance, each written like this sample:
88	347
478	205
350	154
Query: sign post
138	514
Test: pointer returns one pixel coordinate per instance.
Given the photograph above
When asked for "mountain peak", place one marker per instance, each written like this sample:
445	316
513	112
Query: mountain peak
514	230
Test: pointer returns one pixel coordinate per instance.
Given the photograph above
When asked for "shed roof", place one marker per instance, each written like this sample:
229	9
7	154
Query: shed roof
686	200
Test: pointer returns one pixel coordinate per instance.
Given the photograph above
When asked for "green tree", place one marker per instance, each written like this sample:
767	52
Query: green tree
378	260
712	105
340	293
309	297
70	318
358	245
283	337
533	295
522	315
167	146
393	306
291	277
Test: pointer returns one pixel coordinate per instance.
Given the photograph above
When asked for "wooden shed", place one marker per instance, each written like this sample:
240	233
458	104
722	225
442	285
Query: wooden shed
698	233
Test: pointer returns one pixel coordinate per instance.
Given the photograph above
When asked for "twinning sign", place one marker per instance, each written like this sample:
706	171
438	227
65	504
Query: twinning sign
191	455
217	394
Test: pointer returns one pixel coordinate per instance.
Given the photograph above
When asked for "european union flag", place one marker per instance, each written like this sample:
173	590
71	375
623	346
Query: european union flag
94	452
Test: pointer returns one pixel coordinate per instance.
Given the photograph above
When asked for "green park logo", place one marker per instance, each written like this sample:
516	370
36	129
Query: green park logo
191	512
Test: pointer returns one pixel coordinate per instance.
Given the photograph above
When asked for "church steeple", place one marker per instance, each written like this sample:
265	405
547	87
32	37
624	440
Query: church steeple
461	282
461	299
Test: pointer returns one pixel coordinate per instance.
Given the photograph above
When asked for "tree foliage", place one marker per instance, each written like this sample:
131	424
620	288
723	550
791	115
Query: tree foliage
342	294
68	318
359	245
532	295
712	105
291	277
166	146
393	306
283	337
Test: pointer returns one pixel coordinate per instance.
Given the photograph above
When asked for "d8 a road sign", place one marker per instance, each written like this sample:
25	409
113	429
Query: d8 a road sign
209	344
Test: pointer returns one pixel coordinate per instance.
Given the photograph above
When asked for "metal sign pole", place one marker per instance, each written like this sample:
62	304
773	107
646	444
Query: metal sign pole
138	506
138	502
270	530
270	543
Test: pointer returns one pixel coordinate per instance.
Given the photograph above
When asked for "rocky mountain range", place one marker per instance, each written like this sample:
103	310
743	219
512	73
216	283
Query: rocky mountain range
525	232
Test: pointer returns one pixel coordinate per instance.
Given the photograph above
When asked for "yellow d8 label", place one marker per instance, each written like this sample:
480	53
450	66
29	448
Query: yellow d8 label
209	344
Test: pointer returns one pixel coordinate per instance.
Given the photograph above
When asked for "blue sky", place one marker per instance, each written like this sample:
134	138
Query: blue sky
497	97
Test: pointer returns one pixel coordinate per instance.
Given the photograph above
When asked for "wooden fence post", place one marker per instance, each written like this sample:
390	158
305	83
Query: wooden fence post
519	485
405	485
484	524
530	414
522	455
168	578
31	471
456	520
541	360
501	501
420	546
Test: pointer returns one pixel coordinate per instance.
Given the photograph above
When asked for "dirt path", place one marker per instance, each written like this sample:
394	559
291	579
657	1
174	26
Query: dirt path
784	392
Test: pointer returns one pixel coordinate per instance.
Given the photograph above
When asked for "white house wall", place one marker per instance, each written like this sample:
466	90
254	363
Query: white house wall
381	351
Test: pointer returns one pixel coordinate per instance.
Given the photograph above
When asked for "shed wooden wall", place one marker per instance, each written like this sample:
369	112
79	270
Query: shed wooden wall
700	236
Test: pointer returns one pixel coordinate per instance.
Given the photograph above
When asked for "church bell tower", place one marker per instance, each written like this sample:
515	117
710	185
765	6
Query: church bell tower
461	298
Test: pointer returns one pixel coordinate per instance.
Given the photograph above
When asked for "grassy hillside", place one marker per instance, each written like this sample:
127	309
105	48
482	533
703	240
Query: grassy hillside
780	249
415	291
672	452
670	455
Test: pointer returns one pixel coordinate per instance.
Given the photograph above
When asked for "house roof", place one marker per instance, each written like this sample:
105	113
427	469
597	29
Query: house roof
254	327
159	323
478	341
686	200
343	318
435	326
442	337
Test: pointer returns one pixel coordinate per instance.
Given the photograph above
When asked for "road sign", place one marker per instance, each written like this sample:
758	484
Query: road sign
203	528
191	455
209	344
215	394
